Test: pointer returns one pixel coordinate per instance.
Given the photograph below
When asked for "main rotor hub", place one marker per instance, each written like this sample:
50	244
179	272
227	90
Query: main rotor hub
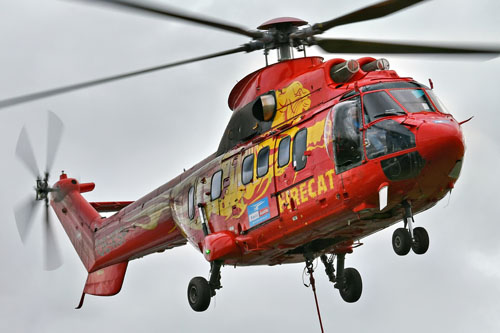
281	21
280	35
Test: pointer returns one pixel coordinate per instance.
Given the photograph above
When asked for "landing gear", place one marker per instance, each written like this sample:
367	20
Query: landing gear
199	294
347	281
420	243
352	286
405	238
401	241
200	291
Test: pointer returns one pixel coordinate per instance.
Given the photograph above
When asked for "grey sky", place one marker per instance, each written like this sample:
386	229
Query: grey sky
132	136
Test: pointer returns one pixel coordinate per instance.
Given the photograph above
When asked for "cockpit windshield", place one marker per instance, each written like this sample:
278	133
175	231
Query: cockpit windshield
398	98
413	100
380	104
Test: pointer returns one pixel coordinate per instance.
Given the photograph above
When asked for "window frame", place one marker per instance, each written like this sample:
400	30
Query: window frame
252	156
191	208
264	150
288	139
360	135
212	197
294	146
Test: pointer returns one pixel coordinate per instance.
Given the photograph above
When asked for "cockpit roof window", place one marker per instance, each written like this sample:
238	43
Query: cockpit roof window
391	85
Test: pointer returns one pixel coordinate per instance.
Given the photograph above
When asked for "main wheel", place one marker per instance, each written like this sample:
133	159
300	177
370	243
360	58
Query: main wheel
401	241
421	240
352	285
199	294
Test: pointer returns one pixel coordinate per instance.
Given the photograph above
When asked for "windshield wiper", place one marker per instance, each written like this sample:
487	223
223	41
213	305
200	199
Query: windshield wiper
389	113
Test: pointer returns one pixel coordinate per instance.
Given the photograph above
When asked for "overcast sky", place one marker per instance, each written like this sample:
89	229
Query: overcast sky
132	136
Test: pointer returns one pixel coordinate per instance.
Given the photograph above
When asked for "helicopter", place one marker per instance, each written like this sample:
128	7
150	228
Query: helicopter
304	209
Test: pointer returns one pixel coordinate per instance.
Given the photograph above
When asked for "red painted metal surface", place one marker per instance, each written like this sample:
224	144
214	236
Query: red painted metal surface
281	20
269	220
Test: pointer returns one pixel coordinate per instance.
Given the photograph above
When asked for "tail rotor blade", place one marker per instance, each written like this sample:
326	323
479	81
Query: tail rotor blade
24	217
24	151
55	129
52	254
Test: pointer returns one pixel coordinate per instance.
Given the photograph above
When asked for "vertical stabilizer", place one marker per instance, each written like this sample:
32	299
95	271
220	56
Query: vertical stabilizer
77	216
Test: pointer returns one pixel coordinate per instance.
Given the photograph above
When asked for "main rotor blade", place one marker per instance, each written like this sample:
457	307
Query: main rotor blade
24	151
55	128
51	92
24	216
375	11
157	9
334	45
52	255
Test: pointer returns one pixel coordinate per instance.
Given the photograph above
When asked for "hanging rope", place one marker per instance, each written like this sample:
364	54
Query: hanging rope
312	283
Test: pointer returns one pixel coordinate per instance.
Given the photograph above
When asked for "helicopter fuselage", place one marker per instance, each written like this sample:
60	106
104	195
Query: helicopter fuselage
332	166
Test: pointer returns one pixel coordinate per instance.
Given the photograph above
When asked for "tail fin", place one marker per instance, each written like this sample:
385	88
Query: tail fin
77	216
80	221
104	282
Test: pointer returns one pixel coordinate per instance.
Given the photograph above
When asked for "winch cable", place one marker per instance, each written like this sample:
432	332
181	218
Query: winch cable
310	270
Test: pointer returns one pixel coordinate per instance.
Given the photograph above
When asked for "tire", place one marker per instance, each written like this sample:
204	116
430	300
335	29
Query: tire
421	241
351	289
401	241
199	294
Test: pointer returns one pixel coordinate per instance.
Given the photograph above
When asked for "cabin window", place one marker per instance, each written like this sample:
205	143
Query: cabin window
299	148
263	162
216	187
284	152
191	202
347	135
247	170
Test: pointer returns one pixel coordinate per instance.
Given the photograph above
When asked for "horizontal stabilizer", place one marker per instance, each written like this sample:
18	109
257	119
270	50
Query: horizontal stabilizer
105	282
111	206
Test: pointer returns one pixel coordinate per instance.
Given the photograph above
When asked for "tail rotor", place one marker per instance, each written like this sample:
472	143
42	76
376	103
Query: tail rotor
24	212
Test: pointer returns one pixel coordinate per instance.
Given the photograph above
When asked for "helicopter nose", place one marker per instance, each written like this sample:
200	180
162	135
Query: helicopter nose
441	144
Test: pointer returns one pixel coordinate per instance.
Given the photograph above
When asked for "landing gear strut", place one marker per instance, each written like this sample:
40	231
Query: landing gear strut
347	281
200	291
405	238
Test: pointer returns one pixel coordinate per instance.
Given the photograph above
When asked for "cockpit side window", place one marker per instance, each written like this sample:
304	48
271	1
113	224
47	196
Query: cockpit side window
347	138
413	100
437	102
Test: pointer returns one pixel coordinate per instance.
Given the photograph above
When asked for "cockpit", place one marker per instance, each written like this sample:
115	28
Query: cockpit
367	123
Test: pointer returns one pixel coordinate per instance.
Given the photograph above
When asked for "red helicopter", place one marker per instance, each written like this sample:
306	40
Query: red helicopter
317	155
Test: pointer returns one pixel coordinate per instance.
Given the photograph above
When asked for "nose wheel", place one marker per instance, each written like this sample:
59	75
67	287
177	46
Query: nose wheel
404	239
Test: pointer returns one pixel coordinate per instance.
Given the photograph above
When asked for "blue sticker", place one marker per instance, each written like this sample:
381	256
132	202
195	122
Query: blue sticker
258	212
